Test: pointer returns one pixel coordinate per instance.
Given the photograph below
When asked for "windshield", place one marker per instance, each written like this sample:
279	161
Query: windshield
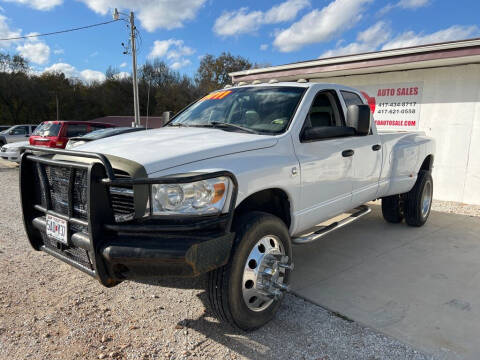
47	129
260	109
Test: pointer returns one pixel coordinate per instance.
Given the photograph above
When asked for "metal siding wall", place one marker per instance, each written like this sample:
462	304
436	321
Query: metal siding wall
450	113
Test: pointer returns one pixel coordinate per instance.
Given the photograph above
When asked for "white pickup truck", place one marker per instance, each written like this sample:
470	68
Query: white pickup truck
225	189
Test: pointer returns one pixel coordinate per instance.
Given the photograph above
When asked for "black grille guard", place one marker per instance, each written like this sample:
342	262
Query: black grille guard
100	220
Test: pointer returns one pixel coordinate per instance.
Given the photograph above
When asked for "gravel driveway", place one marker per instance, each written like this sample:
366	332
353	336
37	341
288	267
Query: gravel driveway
49	310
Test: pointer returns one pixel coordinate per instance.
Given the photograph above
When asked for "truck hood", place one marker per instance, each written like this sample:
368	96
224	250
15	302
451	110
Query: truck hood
164	148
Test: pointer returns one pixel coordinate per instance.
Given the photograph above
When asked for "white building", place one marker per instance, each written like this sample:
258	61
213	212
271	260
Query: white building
432	88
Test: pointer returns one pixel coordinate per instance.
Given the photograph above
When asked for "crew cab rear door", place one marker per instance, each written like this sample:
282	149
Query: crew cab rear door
367	157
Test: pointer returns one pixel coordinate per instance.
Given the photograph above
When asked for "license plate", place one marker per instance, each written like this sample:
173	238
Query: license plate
57	229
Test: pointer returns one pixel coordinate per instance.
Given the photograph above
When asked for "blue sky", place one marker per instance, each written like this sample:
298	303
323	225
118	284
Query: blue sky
266	32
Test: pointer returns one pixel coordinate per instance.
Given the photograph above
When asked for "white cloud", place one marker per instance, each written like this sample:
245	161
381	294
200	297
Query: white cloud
174	50
153	14
452	33
67	69
286	11
238	22
124	64
90	76
38	4
59	51
171	49
242	21
412	4
404	4
34	50
70	71
321	25
264	47
368	40
121	75
180	64
379	36
6	32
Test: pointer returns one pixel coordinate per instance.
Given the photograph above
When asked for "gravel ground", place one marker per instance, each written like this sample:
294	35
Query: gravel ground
49	310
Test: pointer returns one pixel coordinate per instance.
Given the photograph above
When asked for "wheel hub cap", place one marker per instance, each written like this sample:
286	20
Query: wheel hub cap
426	199
264	273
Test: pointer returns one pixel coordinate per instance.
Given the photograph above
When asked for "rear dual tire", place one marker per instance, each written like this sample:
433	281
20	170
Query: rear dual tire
414	206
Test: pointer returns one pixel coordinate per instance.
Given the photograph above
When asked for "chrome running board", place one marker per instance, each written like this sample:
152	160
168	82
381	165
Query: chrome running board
324	230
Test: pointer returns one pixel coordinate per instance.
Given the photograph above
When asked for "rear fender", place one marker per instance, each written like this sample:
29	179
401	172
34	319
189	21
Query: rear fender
406	159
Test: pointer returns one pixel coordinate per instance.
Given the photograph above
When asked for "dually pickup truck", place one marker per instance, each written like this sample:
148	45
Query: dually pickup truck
225	189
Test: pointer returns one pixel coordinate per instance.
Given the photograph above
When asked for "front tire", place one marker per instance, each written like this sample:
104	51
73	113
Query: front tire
419	200
235	290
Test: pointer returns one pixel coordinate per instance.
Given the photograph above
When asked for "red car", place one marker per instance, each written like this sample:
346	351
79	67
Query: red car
55	134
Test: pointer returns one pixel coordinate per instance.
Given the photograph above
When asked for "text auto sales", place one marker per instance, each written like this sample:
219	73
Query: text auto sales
398	92
396	107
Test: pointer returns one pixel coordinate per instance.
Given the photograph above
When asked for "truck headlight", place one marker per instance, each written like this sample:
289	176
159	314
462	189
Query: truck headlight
197	198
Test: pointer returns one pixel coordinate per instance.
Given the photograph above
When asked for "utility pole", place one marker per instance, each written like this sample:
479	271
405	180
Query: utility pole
134	70
56	100
136	102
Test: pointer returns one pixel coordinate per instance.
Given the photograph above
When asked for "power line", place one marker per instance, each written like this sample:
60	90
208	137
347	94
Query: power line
59	32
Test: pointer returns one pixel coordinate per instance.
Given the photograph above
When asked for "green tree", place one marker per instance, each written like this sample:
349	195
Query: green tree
212	74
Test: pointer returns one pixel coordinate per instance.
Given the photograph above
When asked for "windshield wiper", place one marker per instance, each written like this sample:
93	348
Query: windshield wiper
178	125
218	124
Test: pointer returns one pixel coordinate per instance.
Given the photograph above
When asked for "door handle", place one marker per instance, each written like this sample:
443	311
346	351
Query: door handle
376	147
347	153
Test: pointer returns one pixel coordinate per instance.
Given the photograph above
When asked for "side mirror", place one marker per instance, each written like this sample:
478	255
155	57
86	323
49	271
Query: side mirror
326	132
359	117
10	132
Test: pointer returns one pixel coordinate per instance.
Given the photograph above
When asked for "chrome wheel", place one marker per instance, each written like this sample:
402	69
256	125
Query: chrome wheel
264	273
426	199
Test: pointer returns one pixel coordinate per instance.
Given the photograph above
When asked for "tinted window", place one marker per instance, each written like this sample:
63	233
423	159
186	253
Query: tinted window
351	98
263	109
47	129
76	130
20	130
324	111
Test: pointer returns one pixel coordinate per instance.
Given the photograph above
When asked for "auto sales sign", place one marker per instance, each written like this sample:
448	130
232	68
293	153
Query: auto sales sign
395	106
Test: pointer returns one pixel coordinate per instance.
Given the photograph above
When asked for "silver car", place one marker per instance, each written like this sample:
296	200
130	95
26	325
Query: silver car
16	133
12	151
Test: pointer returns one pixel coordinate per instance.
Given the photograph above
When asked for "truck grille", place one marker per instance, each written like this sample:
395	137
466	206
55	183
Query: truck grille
122	199
58	183
58	178
65	191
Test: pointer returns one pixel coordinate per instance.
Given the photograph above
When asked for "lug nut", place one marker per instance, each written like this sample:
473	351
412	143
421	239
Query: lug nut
281	286
286	266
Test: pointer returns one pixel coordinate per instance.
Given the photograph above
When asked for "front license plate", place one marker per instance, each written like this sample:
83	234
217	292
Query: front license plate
57	229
